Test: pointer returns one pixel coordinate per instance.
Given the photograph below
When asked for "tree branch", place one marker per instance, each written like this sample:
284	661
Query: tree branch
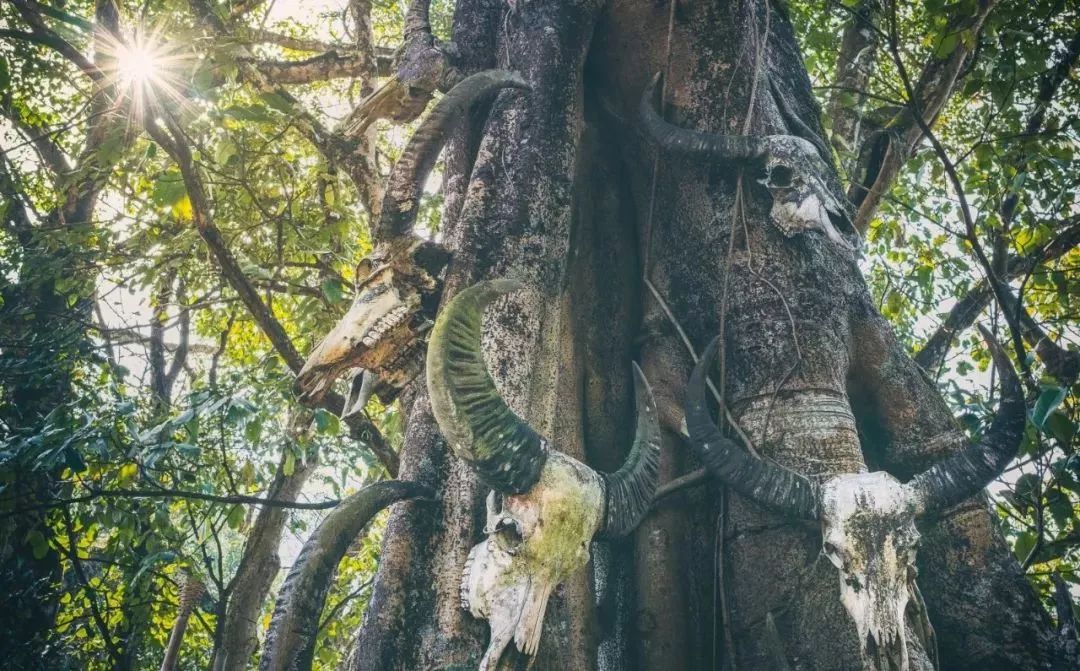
854	65
169	494
171	139
885	154
336	147
325	66
967	309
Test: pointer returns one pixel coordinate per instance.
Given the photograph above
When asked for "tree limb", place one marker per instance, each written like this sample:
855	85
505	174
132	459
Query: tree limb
967	309
883	155
854	65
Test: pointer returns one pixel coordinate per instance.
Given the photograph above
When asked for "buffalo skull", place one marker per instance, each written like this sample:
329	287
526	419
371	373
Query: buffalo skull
545	507
805	194
397	285
867	519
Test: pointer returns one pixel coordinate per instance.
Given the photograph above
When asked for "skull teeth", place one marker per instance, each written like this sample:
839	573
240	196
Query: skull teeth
464	591
384	324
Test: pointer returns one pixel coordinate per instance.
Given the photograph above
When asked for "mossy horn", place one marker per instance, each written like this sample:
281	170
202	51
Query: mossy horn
506	453
290	641
630	489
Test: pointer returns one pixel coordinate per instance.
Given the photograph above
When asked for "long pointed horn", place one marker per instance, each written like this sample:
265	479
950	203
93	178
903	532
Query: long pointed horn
724	148
761	481
967	471
506	453
630	489
406	181
290	641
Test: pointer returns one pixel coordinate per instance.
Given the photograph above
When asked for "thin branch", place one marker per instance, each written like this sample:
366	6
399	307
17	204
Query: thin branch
168	494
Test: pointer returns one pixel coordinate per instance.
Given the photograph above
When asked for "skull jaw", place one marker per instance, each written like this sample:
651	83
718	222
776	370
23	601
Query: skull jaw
870	536
798	212
513	602
367	337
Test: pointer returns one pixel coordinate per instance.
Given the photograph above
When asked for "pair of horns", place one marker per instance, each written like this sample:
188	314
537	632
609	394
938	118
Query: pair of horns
943	485
406	182
505	451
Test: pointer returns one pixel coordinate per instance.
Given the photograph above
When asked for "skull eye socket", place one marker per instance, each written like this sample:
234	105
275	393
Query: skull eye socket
780	176
508	534
363	270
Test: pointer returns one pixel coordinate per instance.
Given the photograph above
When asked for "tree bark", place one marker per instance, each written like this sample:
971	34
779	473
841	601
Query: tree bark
556	188
237	638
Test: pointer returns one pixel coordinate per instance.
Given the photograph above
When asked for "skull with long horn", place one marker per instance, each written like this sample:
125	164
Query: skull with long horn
545	507
397	285
806	195
867	519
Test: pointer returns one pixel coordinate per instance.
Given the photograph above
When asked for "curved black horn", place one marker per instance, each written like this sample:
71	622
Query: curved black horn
290	641
629	491
730	148
967	471
506	453
761	481
406	181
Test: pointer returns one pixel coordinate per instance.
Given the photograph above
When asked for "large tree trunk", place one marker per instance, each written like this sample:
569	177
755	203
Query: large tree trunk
556	188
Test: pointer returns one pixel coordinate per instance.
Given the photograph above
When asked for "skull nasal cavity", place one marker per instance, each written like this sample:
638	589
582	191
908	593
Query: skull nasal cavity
780	175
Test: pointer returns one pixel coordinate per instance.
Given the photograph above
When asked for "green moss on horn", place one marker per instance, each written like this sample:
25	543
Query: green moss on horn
506	453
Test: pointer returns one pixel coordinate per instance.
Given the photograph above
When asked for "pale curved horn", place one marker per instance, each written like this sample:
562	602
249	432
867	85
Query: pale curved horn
290	641
766	483
967	471
406	181
672	138
479	427
629	491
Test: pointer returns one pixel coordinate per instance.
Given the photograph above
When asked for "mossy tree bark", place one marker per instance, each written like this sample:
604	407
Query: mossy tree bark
556	188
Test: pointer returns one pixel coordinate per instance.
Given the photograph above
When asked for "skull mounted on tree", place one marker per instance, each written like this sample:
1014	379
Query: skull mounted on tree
867	519
397	285
545	507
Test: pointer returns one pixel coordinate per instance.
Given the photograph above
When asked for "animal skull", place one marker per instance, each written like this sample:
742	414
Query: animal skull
380	335
801	199
534	541
546	507
398	288
868	525
867	519
794	171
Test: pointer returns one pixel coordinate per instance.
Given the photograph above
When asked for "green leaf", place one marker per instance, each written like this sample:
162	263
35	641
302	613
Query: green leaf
1048	401
333	289
236	517
276	101
1061	427
168	189
253	430
290	464
1022	547
127	473
39	545
226	150
947	45
326	422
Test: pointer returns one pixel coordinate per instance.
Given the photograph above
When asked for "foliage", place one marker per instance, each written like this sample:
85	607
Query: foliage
141	302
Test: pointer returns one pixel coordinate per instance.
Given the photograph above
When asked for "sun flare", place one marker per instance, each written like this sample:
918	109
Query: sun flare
138	64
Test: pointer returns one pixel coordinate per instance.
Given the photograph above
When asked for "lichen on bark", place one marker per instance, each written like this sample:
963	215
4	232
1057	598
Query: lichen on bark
557	191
